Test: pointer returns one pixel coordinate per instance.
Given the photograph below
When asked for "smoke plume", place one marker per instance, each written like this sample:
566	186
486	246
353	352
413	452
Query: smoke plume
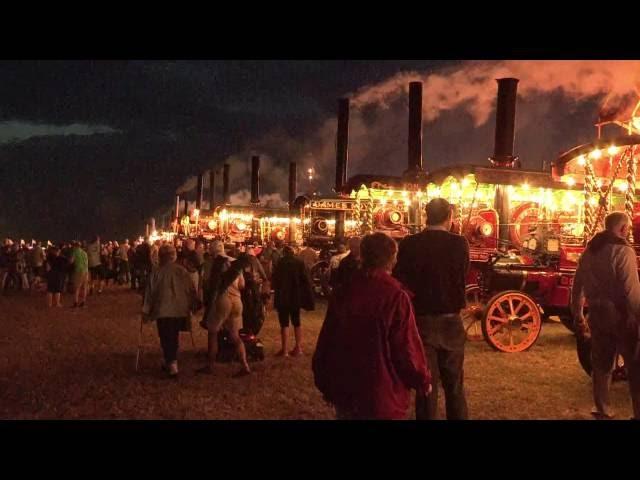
558	102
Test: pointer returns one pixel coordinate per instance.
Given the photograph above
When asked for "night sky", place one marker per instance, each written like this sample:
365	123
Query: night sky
96	147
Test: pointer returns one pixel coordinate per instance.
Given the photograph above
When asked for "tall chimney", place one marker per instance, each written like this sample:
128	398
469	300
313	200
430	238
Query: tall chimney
293	183
212	189
177	206
505	123
293	187
342	159
415	173
199	191
225	184
415	176
342	144
503	152
255	179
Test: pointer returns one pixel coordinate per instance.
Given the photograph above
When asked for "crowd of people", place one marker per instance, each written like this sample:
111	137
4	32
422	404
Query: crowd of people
393	322
81	268
232	287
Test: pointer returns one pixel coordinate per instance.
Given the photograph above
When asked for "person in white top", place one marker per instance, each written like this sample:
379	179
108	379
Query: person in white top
95	266
334	262
124	273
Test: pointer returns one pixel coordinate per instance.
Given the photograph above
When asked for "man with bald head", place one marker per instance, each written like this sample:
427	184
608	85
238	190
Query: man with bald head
607	278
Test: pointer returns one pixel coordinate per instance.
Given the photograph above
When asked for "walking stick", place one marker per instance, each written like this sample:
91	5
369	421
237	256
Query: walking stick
139	343
193	342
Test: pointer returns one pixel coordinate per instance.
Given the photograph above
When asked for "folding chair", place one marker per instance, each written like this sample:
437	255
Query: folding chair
140	344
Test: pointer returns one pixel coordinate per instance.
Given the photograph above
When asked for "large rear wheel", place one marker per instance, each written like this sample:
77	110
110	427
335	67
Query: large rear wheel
584	357
472	314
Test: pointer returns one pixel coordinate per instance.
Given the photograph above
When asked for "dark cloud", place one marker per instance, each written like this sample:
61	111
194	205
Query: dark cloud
177	118
17	131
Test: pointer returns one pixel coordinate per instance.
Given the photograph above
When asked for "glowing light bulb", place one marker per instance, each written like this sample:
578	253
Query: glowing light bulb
612	150
622	187
596	154
570	181
582	161
599	183
525	186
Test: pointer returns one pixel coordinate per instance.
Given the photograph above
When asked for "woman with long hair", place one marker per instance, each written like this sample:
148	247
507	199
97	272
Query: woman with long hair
226	311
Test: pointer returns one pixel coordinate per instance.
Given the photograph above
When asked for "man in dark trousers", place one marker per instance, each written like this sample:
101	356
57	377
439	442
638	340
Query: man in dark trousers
292	291
433	265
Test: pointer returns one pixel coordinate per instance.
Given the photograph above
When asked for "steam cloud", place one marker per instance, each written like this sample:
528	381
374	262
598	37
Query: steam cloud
558	101
473	85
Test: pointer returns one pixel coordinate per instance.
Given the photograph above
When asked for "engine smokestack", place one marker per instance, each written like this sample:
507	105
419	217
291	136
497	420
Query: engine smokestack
212	189
225	183
503	151
255	179
505	123
415	172
342	144
199	191
342	158
293	188
293	183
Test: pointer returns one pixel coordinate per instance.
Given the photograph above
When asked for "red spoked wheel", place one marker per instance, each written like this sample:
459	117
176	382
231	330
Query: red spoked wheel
512	321
472	314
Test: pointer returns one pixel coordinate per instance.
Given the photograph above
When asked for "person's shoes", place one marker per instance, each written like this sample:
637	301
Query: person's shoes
296	352
59	305
282	353
205	370
241	373
173	369
602	416
99	291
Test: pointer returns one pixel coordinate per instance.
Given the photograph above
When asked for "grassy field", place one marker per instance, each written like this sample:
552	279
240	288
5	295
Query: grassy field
69	364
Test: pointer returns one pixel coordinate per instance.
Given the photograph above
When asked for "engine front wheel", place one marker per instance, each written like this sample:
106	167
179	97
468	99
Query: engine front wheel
512	321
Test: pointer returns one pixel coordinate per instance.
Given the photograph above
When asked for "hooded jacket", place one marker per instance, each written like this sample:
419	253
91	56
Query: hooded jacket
608	274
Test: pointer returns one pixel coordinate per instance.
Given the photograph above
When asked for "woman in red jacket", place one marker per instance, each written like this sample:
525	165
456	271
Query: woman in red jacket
369	354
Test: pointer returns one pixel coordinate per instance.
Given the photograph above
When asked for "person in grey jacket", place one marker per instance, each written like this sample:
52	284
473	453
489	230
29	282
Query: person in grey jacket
169	298
607	278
